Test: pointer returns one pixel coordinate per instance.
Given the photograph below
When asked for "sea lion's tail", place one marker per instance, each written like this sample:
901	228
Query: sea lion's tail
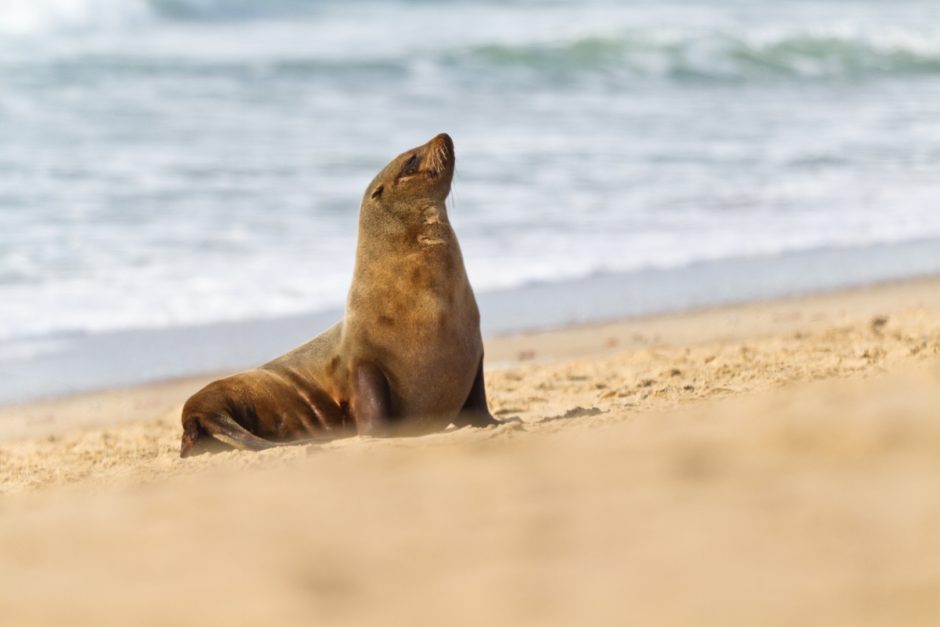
220	427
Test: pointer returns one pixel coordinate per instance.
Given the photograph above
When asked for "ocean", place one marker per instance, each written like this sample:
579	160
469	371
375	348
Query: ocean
168	166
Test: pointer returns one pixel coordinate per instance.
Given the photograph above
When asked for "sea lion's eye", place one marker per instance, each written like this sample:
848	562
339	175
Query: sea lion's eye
377	191
410	167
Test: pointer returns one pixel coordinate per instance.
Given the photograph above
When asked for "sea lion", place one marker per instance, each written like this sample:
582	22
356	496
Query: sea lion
407	357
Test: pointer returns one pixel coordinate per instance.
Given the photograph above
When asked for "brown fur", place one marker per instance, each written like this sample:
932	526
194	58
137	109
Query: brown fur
407	356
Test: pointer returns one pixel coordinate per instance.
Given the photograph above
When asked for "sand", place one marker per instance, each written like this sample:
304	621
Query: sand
770	464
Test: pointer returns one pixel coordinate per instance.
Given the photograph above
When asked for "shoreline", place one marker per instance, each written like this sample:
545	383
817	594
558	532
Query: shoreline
51	367
724	323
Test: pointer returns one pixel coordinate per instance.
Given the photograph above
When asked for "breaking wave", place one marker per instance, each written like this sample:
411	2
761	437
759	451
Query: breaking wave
725	56
720	51
615	61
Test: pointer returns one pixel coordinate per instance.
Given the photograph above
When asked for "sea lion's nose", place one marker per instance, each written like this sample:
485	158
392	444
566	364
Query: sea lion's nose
439	154
443	139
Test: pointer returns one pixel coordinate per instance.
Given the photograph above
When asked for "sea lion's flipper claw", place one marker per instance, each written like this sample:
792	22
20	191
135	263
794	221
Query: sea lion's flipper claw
475	412
224	429
371	400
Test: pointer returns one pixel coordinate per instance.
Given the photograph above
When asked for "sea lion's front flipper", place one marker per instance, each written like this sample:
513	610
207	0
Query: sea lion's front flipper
371	400
475	412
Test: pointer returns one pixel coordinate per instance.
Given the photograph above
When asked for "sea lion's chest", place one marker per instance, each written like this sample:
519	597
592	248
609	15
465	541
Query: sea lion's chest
421	327
429	334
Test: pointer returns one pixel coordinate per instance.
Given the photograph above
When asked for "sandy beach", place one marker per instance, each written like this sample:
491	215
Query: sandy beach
769	463
704	243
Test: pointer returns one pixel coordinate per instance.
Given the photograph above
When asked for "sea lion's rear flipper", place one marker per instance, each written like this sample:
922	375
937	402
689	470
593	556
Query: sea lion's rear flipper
371	400
222	428
475	412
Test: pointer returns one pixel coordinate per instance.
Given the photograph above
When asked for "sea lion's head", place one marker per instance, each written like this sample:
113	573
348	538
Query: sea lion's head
412	181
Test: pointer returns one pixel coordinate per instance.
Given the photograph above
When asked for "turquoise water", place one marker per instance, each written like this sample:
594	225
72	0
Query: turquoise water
169	163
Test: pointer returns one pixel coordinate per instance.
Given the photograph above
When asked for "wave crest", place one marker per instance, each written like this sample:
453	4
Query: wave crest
714	52
724	56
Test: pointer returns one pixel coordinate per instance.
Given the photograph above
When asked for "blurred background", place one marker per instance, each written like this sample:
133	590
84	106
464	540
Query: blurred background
169	166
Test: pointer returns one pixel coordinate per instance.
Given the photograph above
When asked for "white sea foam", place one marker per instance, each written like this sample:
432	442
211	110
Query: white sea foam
32	17
37	17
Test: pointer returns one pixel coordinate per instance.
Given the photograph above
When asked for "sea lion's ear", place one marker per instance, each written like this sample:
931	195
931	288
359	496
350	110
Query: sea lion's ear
378	191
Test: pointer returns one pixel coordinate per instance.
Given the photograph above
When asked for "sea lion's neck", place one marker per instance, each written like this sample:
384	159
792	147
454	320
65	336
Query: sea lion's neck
382	240
435	229
391	251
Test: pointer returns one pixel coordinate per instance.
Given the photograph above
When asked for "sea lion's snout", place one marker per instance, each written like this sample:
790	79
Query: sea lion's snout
440	155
